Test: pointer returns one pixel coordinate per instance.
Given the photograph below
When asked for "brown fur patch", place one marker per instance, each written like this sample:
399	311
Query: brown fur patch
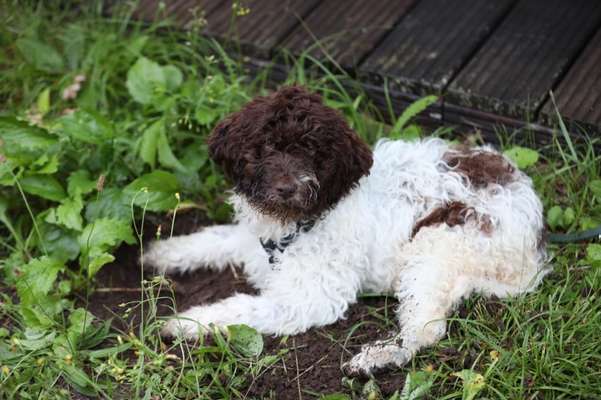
480	167
453	214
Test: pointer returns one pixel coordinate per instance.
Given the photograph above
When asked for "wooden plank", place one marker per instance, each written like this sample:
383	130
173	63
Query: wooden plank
432	42
257	26
513	72
346	30
578	96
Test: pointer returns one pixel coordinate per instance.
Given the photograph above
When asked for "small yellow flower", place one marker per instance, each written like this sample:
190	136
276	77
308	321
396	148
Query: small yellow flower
40	361
494	355
177	196
5	370
68	359
429	368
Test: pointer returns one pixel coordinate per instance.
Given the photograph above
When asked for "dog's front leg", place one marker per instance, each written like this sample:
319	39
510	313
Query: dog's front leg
214	247
294	300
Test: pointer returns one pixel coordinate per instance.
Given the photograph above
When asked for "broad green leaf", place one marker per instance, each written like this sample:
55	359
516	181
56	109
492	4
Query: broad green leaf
43	101
155	191
149	143
104	234
23	143
173	77
87	126
166	156
593	252
246	340
410	112
79	321
522	156
417	385
73	39
569	216
37	279
587	222
144	80
60	243
46	164
109	351
79	380
473	383
69	214
37	340
111	203
206	114
554	217
98	262
46	186
79	183
40	55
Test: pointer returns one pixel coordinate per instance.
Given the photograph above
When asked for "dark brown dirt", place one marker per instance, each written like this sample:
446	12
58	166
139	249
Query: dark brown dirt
313	361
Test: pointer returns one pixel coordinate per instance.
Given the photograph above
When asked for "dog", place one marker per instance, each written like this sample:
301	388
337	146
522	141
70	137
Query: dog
320	218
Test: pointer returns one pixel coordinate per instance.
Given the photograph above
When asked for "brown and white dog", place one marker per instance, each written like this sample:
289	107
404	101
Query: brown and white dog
319	218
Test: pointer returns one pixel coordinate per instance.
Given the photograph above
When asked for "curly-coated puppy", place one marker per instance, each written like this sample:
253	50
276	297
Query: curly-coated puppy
319	218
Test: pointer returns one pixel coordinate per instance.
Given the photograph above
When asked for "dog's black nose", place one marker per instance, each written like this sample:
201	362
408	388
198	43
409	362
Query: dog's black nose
286	189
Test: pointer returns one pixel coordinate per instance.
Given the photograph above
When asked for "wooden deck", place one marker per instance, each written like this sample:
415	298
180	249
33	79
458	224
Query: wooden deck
491	62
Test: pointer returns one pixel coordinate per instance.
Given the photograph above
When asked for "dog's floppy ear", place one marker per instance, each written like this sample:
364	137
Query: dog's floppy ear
220	146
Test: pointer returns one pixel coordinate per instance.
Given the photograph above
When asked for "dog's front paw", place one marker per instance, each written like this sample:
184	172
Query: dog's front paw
161	257
196	322
185	328
376	356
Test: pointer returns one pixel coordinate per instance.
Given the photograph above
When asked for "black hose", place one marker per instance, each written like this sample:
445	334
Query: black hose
574	237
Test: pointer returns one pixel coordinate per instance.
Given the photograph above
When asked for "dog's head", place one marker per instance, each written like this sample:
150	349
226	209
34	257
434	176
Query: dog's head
290	155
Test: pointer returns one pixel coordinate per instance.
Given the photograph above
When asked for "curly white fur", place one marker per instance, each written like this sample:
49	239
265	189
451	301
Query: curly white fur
364	244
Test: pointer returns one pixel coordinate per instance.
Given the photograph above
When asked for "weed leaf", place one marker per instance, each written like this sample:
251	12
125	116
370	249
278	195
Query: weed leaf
246	340
79	183
522	156
23	143
149	143
40	55
45	186
593	253
595	188
473	383
417	384
410	112
105	233
37	279
87	126
155	191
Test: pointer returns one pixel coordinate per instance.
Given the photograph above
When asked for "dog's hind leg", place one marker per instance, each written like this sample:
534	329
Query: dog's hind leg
214	247
430	283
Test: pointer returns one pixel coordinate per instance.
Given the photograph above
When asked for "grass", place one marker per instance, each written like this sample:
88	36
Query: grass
83	161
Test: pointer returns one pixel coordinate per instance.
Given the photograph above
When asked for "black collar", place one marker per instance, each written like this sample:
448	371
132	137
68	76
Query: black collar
275	247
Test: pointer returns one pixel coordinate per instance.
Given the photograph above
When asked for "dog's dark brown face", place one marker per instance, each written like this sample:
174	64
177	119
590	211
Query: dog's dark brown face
291	156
